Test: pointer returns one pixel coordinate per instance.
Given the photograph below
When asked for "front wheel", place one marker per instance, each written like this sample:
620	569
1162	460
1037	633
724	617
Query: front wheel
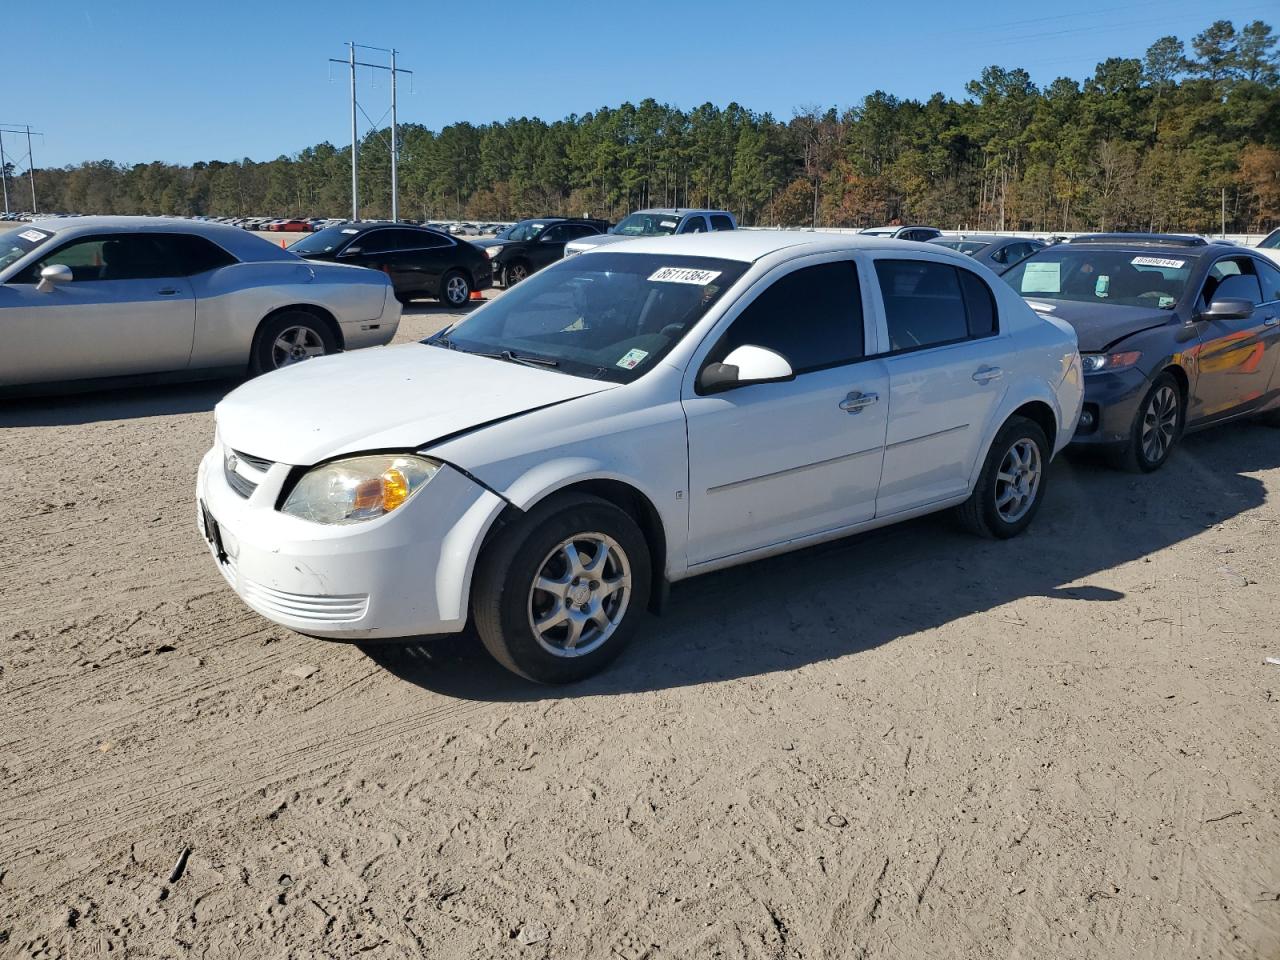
455	289
1011	485
289	338
515	273
559	592
1157	426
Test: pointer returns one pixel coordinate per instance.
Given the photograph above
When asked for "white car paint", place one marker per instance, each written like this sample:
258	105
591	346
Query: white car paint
730	476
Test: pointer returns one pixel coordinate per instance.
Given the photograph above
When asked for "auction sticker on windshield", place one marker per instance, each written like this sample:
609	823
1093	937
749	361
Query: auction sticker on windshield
631	359
684	275
1041	278
32	236
1157	262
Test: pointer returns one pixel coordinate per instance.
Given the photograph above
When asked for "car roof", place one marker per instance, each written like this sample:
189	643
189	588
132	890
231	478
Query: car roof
1138	248
981	238
751	245
679	211
241	244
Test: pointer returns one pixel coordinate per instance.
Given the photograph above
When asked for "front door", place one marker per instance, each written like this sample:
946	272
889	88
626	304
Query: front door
774	462
127	310
945	379
1235	357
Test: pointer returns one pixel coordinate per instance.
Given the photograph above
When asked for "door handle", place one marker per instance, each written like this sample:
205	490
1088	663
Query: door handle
1270	321
987	374
167	292
856	401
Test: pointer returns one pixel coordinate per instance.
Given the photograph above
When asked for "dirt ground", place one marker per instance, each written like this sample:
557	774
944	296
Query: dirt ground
909	744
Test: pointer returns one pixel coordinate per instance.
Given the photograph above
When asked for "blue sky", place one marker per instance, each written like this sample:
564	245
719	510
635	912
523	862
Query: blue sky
140	81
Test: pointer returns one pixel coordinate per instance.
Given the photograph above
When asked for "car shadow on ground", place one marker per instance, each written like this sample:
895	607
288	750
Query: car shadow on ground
127	403
842	598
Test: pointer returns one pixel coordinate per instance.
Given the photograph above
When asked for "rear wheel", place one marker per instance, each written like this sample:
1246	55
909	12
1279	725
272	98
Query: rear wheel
289	338
1011	486
1156	428
455	289
559	592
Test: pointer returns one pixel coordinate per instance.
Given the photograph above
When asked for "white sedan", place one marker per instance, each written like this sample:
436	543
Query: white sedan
624	420
89	300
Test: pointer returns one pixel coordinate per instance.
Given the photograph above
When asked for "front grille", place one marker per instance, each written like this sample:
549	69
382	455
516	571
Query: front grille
235	480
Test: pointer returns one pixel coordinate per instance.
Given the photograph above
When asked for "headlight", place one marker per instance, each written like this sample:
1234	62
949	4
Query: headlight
493	251
359	488
1098	362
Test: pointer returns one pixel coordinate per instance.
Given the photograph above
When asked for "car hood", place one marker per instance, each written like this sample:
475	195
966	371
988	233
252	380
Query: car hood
597	240
493	242
404	397
1098	326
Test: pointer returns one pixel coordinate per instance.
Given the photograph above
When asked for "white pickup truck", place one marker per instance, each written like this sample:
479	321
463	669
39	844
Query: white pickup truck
656	222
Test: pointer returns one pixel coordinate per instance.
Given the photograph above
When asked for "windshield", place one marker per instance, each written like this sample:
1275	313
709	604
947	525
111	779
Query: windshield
967	247
1271	241
647	225
609	316
1127	278
323	241
16	244
525	230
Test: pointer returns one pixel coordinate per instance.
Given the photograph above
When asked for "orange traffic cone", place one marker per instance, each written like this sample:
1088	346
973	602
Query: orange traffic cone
477	295
283	245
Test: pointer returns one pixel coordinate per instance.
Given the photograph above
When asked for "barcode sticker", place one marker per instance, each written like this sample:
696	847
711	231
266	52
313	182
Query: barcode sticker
684	275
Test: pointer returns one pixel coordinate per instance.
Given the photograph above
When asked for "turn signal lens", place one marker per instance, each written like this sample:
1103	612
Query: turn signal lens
1098	362
359	488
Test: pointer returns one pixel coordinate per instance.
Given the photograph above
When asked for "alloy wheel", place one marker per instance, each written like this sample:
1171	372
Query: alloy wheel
295	344
580	595
457	291
1018	480
1159	423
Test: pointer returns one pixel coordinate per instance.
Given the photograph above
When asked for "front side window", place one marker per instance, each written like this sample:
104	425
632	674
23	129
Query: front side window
1233	278
811	316
928	304
609	316
1132	278
1269	277
136	256
557	234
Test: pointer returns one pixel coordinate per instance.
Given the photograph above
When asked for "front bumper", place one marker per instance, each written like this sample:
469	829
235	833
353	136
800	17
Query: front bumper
402	575
1111	400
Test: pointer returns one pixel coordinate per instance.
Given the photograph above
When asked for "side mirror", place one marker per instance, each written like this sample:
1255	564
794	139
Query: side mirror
746	365
351	252
1227	309
52	275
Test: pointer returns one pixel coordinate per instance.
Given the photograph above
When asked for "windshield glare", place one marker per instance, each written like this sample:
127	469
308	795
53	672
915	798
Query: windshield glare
528	230
324	241
1127	278
16	244
968	247
607	316
647	225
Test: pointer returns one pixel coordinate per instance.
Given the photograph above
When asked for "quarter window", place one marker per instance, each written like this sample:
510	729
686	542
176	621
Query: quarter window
812	316
198	255
927	304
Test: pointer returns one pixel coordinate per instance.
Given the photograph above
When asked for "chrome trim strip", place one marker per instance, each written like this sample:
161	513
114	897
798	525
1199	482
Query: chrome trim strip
927	436
781	473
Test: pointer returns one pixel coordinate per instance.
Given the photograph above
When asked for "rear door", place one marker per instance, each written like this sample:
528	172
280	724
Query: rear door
1236	357
128	310
775	462
946	378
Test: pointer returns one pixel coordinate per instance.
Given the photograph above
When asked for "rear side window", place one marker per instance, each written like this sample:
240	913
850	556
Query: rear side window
927	304
721	222
694	225
197	255
812	316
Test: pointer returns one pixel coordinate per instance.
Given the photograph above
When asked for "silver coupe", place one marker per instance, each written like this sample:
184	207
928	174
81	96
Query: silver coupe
87	300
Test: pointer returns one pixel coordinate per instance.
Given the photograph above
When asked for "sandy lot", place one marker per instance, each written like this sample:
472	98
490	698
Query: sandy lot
910	744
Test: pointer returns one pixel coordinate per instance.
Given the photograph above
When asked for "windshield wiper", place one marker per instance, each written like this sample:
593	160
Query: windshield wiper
527	360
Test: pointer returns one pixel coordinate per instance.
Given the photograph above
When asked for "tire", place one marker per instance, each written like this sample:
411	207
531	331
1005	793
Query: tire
1020	451
406	298
1270	419
506	602
288	338
455	289
1155	420
514	273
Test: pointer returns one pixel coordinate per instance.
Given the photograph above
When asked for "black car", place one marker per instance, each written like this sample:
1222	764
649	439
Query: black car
1175	334
528	246
998	253
419	261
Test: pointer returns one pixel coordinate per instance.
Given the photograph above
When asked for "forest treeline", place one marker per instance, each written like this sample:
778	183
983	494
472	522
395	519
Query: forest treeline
1150	143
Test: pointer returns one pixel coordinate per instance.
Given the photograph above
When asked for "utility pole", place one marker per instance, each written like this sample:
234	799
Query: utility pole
19	129
395	71
4	176
1224	213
